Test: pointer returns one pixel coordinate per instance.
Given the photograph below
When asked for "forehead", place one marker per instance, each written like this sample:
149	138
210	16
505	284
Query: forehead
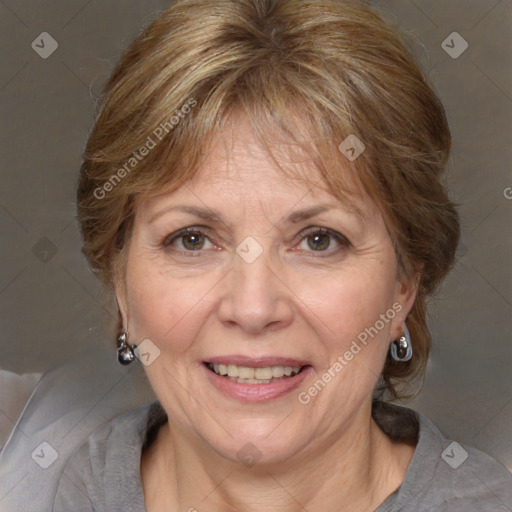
237	164
236	154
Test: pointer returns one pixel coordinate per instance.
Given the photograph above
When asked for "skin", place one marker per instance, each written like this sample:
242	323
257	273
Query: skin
295	300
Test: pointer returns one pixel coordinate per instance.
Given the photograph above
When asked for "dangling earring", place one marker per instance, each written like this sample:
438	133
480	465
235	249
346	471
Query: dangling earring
125	353
401	349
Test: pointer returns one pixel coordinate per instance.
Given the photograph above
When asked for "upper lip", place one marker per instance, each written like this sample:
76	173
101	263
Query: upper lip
256	362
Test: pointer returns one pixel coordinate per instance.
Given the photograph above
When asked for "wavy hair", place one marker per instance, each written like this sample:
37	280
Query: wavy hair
316	71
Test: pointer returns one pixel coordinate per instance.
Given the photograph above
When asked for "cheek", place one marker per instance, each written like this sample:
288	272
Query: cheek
166	309
355	297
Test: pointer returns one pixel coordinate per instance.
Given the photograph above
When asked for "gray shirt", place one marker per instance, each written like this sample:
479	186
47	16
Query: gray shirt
104	475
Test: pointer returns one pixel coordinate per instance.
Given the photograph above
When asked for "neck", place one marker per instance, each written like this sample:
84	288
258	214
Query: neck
350	471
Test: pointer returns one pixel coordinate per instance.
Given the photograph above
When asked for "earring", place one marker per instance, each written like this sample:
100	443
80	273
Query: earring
401	349
125	353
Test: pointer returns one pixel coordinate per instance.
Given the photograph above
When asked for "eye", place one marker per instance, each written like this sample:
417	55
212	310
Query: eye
187	240
322	240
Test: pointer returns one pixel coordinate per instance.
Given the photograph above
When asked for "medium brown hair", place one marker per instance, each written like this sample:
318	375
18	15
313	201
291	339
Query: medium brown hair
318	71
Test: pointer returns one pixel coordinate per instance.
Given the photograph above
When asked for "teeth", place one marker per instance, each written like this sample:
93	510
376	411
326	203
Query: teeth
244	372
263	373
258	375
277	371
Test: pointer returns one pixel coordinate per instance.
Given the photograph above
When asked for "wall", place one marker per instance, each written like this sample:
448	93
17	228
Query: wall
51	306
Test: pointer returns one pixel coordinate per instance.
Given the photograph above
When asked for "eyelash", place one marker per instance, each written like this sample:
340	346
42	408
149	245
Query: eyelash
303	235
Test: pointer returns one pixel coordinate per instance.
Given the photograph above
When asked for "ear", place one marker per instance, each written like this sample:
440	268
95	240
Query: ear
121	299
119	285
405	295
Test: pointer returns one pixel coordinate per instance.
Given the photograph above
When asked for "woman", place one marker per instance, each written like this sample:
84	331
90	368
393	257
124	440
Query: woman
262	191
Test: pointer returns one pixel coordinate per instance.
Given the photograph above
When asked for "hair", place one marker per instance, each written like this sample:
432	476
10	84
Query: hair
315	71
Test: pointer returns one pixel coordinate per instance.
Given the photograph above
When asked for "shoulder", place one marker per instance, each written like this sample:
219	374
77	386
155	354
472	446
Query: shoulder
446	475
16	390
104	474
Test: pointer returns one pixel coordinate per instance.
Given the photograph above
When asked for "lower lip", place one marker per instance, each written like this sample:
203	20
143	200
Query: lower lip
257	392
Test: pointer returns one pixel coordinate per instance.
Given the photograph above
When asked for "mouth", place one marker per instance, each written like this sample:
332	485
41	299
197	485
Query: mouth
254	374
256	379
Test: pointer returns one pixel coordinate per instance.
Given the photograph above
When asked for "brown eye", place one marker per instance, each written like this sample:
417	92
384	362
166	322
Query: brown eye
193	241
323	240
187	240
319	242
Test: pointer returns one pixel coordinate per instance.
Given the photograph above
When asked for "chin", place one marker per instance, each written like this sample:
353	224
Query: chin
261	445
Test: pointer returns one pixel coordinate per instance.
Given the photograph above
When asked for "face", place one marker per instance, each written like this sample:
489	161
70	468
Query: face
246	271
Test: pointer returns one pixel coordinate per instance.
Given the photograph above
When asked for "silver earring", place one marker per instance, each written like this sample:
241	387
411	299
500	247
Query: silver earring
125	353
401	349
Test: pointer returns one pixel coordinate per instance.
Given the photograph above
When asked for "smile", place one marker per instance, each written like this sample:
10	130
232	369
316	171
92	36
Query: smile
250	375
256	378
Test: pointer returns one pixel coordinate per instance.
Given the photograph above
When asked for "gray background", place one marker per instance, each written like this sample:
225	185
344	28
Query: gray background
52	308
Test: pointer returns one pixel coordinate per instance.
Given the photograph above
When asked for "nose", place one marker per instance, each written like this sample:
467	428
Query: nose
255	297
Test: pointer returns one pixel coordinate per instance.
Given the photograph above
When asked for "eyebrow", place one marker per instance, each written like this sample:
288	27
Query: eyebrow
198	211
295	217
